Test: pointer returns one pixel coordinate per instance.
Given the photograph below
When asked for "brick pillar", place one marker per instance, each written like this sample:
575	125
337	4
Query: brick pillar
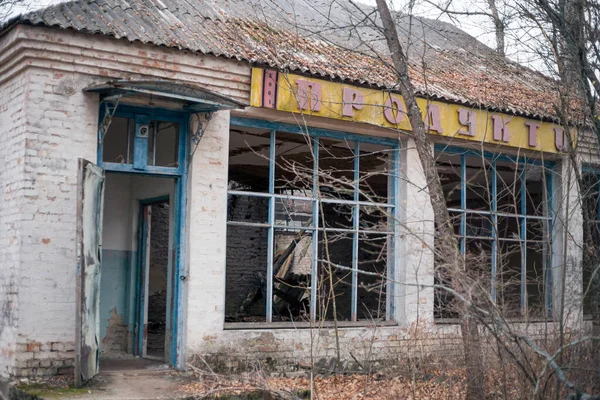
414	261
207	217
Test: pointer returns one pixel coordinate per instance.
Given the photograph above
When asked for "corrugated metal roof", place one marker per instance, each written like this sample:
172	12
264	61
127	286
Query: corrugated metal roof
326	38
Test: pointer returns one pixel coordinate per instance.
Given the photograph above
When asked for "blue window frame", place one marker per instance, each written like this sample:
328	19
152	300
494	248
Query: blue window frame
590	193
144	140
501	207
134	152
318	207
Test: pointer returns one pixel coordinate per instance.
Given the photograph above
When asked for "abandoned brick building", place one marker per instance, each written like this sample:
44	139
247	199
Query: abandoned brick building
223	178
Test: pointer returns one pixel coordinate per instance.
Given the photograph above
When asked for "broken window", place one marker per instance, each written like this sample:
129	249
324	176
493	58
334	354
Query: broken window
118	141
500	211
324	207
591	234
145	143
163	144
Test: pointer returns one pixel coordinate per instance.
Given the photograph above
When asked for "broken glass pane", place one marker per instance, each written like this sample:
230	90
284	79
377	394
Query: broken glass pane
535	284
373	250
117	146
246	274
336	169
375	218
336	216
479	183
375	165
448	168
292	266
508	186
249	160
293	212
166	141
294	173
334	290
535	186
247	209
508	277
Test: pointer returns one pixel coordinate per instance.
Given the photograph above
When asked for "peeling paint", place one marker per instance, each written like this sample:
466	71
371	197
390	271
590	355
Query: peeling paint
115	340
89	243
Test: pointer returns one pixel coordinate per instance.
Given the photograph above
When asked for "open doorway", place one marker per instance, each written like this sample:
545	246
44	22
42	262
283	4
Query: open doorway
138	266
154	225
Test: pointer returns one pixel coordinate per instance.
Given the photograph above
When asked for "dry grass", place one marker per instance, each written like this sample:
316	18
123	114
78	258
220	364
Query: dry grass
433	385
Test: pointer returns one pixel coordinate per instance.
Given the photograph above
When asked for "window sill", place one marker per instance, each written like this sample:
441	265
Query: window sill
305	325
514	320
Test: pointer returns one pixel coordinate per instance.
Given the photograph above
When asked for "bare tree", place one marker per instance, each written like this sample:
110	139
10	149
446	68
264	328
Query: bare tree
447	243
498	12
571	30
9	7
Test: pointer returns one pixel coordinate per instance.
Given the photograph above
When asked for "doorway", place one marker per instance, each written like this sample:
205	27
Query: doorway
138	265
154	227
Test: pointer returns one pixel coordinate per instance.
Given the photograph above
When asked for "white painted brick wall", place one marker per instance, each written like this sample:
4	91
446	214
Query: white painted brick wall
61	124
47	124
569	225
207	199
415	264
13	103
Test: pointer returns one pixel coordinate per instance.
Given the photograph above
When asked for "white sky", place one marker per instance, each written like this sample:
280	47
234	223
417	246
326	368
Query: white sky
477	26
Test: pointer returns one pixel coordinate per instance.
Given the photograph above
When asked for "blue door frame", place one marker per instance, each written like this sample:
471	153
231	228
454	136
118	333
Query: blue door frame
142	115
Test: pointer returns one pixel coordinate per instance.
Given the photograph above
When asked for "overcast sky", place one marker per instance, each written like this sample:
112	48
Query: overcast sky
476	26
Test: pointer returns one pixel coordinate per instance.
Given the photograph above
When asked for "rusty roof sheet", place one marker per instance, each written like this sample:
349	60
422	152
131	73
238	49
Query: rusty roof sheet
326	38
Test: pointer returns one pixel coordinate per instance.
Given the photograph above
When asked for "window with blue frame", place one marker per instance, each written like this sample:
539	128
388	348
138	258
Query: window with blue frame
140	142
310	225
501	210
590	191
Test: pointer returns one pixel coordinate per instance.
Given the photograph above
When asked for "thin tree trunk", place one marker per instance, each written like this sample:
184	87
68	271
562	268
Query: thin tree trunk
446	244
498	27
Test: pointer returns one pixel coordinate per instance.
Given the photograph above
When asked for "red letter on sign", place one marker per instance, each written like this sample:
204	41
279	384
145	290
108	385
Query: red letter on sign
352	100
560	139
306	89
269	91
392	104
501	131
533	127
433	121
467	118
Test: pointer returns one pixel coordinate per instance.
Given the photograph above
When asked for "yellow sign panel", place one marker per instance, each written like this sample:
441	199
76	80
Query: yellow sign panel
299	94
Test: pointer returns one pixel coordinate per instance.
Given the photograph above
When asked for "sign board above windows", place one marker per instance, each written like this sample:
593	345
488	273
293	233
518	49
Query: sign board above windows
317	97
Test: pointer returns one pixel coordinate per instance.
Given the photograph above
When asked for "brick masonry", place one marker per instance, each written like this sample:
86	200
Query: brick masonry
45	359
12	187
47	122
246	252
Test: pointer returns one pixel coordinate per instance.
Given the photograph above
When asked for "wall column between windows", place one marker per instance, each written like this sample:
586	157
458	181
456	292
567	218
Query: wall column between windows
207	234
567	200
415	260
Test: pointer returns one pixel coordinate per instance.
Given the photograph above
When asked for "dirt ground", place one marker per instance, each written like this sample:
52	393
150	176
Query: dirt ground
143	379
122	379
